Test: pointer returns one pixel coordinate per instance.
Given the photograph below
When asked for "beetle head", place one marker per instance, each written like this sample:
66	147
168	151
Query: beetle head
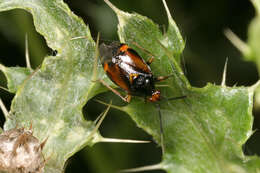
156	95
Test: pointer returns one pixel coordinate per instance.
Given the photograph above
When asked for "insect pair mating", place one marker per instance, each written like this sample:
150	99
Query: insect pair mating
127	69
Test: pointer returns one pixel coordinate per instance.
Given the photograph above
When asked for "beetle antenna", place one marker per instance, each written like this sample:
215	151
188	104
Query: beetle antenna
176	98
161	121
143	49
161	126
173	98
162	78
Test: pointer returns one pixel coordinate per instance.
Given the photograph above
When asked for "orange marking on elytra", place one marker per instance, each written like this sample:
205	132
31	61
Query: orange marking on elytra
123	48
105	66
115	75
138	62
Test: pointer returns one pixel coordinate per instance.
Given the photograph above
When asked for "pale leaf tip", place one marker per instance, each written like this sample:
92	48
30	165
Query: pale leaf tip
237	42
116	10
4	109
27	57
173	26
167	11
115	140
143	168
103	115
120	14
223	83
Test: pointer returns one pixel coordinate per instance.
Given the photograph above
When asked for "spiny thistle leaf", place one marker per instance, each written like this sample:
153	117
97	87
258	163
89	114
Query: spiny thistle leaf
52	97
203	132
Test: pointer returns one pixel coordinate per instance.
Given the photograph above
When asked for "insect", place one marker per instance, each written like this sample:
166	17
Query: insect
125	67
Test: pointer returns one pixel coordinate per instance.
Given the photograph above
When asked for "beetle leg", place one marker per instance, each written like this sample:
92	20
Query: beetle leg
150	61
126	99
162	78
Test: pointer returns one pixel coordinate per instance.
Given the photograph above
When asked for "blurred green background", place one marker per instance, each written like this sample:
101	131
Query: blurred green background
201	22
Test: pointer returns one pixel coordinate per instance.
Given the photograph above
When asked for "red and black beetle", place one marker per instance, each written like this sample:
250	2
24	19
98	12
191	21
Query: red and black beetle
129	71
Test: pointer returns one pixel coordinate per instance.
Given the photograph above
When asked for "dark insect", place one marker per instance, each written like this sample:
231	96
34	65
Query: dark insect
129	71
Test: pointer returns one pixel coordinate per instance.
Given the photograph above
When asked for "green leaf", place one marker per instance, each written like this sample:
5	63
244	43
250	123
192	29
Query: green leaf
253	43
250	50
254	35
52	97
15	76
203	132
